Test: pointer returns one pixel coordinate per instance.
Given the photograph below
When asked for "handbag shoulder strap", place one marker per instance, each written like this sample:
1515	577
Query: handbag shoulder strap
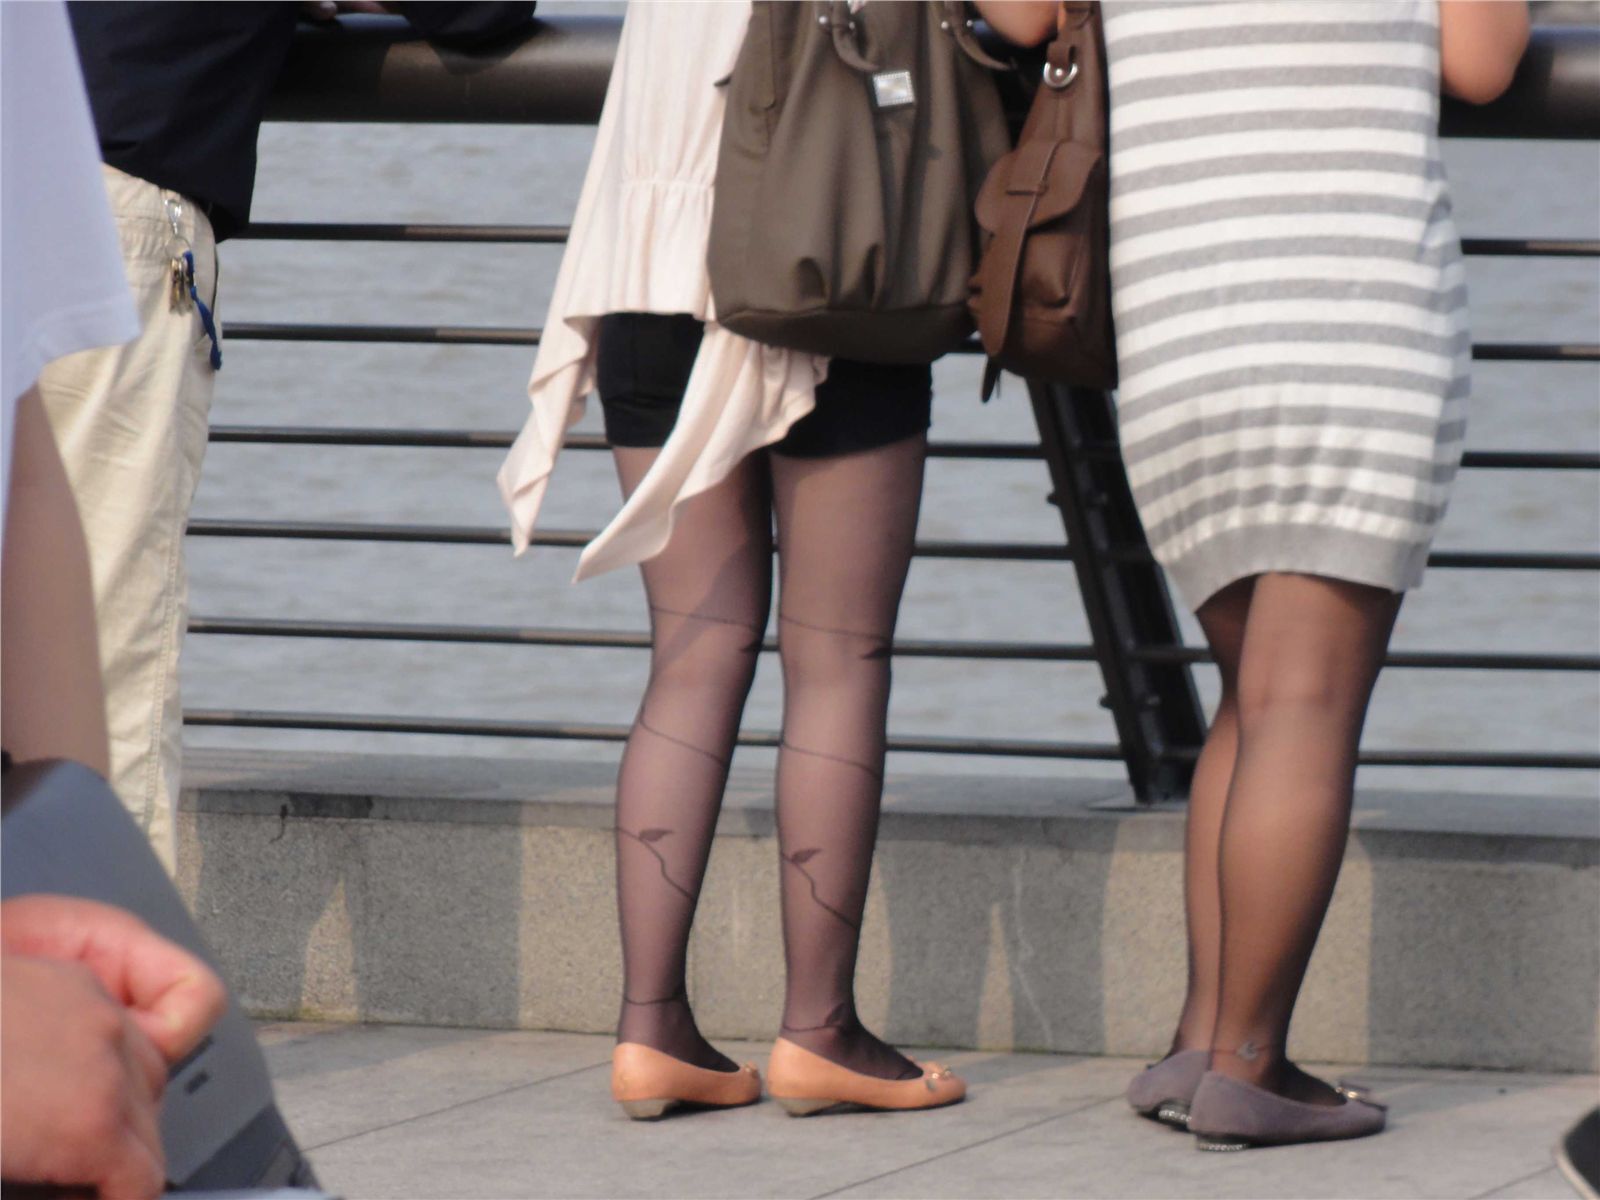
841	24
1049	124
959	26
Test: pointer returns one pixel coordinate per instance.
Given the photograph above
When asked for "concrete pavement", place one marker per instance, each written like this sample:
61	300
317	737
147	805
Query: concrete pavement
407	1111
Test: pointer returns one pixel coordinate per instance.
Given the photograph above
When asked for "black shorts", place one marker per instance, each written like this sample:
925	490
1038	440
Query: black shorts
643	367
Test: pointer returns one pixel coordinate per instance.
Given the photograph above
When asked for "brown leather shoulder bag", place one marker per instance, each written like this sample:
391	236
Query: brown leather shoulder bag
1041	296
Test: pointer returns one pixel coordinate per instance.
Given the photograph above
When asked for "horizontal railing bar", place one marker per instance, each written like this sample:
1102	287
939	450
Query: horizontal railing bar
1406	659
556	72
544	235
488	335
334	531
479	535
419	335
1536	352
491	439
337	531
367	231
1508	759
997	747
1540	460
1487	560
1531	247
614	639
333	435
1494	560
571	731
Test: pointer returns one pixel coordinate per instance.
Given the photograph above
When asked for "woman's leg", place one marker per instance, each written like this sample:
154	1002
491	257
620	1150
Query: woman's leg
1222	618
846	526
1312	650
709	593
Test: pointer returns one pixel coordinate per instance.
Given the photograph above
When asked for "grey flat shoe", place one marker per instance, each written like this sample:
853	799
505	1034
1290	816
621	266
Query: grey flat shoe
1228	1114
1164	1090
1578	1155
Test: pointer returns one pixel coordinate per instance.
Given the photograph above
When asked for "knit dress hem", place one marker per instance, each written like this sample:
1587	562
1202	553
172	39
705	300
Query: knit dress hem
1345	554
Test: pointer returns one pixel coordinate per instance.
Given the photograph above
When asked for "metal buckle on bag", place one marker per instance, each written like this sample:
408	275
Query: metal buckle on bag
892	89
1057	78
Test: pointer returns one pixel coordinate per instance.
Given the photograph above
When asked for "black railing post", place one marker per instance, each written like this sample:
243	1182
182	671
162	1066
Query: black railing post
1154	705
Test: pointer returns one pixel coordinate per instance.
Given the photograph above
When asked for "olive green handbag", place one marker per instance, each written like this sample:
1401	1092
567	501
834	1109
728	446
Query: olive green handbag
853	148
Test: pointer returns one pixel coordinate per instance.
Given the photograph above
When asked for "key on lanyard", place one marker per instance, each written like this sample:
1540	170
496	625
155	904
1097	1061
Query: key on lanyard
182	292
178	275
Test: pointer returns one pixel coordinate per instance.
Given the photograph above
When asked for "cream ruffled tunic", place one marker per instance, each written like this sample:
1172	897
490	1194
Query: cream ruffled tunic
638	244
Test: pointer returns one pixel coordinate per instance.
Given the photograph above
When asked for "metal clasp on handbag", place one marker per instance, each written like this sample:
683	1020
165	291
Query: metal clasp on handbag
1059	77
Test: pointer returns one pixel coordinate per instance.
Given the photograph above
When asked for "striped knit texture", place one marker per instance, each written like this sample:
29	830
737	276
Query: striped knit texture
1288	288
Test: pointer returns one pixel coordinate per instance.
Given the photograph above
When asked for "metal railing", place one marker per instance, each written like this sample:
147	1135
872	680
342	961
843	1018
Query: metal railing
556	73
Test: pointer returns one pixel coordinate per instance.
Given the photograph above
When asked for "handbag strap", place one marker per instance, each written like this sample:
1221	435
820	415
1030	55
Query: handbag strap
959	26
1049	124
840	22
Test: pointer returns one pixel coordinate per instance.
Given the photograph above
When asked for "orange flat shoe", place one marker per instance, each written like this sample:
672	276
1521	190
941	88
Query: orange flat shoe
647	1083
806	1083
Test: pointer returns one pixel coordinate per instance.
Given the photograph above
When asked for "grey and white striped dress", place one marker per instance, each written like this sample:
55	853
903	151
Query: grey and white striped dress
1288	288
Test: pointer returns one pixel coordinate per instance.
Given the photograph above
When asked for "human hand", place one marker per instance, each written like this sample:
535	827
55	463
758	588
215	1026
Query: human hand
81	1094
168	993
328	10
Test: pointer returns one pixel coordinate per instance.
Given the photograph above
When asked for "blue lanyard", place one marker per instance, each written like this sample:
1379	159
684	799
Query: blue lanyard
207	321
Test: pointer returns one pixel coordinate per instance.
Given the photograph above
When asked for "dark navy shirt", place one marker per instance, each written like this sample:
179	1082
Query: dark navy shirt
178	90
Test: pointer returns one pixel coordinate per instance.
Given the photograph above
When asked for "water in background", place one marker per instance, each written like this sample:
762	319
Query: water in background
532	175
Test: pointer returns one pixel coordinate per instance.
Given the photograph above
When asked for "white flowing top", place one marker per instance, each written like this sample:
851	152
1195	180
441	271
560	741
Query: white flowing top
638	244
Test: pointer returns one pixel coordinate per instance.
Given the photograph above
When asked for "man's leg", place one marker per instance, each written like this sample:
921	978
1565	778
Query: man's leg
131	423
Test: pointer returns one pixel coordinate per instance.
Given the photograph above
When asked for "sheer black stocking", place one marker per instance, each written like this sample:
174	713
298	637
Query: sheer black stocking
709	594
1311	652
1222	618
846	526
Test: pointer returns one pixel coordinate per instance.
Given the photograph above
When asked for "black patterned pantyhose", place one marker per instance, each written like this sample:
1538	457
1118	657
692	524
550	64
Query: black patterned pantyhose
709	594
845	531
846	526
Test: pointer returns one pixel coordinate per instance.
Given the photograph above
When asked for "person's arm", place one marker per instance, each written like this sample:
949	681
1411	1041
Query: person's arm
1480	44
52	700
464	24
1021	22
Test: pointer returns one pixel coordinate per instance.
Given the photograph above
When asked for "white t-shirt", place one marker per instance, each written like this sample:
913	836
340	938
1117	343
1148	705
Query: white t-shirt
62	283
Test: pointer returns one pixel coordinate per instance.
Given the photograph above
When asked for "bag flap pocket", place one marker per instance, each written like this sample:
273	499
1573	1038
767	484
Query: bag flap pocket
1057	173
